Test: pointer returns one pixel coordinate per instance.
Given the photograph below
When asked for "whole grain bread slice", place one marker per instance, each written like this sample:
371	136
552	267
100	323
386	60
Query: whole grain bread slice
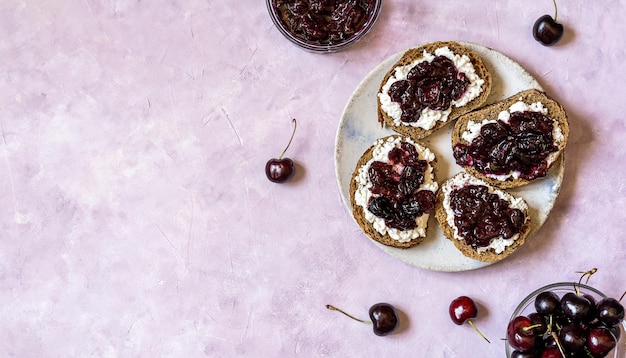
416	53
441	214
359	212
491	112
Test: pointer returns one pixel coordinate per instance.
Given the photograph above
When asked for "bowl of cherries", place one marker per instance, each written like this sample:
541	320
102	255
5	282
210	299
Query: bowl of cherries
324	25
567	319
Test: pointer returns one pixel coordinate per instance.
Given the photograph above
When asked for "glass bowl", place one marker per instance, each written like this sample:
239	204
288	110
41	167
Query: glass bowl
278	7
527	306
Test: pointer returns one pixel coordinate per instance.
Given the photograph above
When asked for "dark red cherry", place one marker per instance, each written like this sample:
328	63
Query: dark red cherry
462	309
575	307
547	30
551	352
280	170
600	341
384	318
610	311
547	302
521	335
531	354
573	337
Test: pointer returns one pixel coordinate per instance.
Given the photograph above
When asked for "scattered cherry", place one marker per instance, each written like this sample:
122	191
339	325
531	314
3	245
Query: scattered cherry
463	309
384	318
279	170
547	30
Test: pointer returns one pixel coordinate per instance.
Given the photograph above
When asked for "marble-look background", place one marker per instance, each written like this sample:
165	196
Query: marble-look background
136	219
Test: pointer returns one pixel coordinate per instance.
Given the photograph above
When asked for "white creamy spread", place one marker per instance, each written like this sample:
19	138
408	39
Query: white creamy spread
362	195
498	244
429	117
473	130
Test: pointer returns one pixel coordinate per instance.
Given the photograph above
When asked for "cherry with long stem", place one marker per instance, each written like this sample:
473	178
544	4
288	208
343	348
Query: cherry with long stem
280	170
384	318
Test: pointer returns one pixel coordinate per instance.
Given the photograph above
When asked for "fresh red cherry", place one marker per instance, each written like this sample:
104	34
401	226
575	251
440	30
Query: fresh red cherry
462	309
547	30
600	341
610	311
279	170
384	318
551	352
521	334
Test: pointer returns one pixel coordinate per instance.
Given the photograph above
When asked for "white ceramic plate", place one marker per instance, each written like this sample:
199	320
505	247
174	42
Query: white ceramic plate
359	128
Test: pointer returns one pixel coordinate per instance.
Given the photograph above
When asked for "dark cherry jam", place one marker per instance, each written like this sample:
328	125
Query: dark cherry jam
431	85
481	216
522	145
396	197
323	22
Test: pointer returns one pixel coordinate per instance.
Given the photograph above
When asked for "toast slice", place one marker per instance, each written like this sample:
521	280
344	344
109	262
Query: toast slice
525	152
489	232
426	120
392	205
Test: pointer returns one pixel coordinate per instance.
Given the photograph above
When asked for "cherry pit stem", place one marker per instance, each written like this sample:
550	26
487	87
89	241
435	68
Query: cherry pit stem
333	308
526	329
295	125
477	330
558	344
585	273
556	11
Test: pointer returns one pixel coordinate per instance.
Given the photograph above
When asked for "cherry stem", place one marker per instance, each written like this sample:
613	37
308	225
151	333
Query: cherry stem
295	124
586	273
526	329
621	298
556	11
333	308
477	330
558	344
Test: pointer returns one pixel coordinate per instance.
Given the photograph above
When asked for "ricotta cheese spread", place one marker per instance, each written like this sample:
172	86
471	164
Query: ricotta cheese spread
429	117
473	130
498	244
362	195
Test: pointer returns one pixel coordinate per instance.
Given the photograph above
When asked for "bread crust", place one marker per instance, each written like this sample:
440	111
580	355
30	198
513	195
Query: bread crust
487	256
415	53
555	112
358	211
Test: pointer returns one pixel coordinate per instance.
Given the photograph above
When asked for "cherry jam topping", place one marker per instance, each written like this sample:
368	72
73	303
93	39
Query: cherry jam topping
431	85
522	145
324	22
396	197
481	216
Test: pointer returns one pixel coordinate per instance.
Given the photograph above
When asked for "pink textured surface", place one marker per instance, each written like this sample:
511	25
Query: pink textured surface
137	220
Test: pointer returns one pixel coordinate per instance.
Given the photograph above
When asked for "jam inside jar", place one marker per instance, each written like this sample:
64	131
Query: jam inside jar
324	22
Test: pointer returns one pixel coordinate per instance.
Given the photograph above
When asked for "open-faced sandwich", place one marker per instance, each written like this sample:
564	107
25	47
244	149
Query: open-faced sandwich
393	191
512	142
430	86
484	222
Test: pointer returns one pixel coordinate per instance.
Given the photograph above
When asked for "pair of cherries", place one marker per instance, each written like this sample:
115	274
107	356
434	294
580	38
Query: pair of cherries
384	317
